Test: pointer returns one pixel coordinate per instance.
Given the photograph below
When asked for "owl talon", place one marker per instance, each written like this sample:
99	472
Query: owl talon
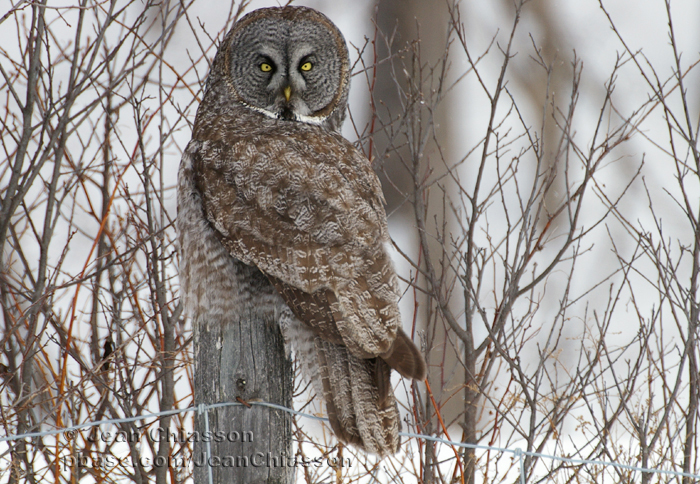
240	400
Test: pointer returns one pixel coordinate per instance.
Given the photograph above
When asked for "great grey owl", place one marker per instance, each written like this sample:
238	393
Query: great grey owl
268	184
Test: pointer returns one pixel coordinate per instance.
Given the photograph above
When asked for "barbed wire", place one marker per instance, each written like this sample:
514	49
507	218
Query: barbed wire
203	408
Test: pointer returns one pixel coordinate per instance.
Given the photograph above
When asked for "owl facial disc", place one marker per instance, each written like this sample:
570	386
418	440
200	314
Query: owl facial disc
290	64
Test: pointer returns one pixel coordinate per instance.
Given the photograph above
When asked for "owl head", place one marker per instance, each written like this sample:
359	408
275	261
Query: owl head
288	63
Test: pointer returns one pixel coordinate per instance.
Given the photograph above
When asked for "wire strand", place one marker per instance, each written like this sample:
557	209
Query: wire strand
203	408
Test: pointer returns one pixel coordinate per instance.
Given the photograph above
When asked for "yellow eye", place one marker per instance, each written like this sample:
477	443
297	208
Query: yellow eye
306	66
265	67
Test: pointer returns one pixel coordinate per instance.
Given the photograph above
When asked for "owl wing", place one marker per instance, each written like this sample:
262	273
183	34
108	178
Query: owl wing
319	311
304	206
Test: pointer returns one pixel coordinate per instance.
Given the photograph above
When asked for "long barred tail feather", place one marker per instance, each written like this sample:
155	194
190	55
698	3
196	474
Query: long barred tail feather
359	399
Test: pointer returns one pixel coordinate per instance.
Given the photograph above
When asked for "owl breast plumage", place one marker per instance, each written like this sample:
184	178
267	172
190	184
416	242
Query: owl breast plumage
269	186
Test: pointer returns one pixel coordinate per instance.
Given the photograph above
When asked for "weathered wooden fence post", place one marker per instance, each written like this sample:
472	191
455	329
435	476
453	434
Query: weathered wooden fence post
243	358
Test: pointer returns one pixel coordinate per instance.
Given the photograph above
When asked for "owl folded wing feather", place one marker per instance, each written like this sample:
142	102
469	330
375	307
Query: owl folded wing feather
312	218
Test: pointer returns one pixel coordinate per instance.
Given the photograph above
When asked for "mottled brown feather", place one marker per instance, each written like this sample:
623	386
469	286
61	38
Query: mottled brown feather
316	311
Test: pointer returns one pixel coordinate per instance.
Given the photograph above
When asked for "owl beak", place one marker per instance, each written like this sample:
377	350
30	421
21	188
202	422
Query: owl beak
287	92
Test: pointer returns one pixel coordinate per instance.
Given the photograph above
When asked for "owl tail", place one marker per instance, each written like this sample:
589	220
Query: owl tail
359	399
